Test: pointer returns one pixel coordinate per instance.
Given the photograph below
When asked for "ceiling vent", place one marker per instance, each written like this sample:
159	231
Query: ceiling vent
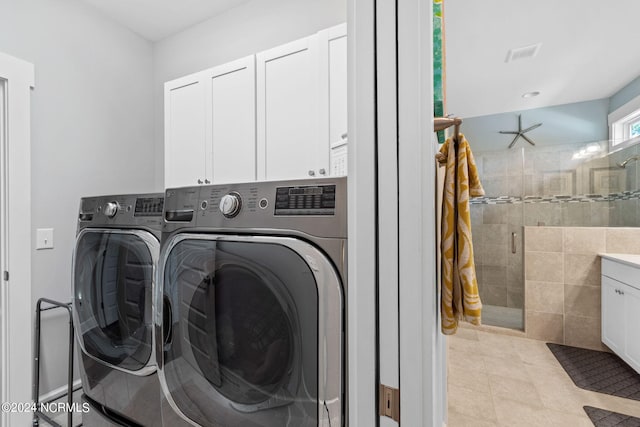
523	52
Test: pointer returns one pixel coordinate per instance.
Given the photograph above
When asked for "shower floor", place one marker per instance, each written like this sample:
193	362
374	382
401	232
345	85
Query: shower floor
504	317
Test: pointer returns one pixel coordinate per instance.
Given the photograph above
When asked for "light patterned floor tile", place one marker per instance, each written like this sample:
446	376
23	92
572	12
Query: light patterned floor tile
528	387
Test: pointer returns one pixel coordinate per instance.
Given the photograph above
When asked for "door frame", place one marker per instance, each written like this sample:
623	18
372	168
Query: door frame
392	184
16	318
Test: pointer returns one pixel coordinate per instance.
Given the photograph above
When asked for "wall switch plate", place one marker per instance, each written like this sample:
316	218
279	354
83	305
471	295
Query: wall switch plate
44	238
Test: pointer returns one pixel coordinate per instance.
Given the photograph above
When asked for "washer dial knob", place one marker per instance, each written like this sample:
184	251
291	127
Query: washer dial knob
230	204
111	209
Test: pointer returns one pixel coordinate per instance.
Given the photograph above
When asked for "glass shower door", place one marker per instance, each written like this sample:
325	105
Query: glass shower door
497	221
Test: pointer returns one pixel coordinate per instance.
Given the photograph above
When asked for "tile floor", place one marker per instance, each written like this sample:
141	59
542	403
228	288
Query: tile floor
506	380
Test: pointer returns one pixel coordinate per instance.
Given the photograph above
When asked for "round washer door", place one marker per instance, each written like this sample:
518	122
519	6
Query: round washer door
113	275
252	331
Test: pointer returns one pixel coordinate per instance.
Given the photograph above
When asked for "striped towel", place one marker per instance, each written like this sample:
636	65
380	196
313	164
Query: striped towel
460	298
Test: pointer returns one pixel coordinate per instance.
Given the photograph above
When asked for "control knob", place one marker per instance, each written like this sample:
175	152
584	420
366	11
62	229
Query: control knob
230	204
111	209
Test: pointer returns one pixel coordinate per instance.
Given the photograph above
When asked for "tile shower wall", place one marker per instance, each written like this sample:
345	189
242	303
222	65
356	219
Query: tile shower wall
544	186
562	280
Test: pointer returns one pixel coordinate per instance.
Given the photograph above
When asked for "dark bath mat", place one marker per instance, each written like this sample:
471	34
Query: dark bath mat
603	418
598	371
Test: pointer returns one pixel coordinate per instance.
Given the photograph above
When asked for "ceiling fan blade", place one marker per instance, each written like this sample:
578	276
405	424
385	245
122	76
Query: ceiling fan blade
528	140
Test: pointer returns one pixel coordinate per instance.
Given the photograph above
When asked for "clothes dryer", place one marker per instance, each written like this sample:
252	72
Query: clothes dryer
114	263
252	283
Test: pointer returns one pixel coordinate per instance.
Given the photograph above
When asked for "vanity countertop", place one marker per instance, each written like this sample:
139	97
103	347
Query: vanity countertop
629	259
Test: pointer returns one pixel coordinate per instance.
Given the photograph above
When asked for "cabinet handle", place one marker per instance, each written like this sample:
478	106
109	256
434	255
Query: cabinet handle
199	181
323	172
513	243
312	173
621	292
206	181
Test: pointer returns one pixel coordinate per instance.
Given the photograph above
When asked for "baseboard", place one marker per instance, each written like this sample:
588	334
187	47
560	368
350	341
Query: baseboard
59	392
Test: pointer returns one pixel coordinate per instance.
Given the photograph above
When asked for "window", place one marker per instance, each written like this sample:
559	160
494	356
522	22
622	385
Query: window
634	129
624	125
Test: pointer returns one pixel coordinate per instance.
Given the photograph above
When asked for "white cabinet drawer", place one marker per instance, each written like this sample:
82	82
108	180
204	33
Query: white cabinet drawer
621	272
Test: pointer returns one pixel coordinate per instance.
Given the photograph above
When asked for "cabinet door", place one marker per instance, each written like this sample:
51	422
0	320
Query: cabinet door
332	44
287	110
185	131
231	155
613	316
632	326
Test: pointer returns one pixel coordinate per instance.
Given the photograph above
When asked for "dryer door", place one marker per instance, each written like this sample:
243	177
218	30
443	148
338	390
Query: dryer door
254	335
112	286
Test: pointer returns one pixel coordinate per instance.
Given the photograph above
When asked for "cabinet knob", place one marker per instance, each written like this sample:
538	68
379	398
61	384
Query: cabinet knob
199	181
323	171
206	181
312	173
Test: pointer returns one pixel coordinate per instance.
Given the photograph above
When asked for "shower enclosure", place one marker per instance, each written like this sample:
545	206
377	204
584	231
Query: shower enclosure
561	185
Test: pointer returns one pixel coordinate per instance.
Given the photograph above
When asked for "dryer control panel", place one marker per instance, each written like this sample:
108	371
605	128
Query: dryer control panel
306	200
317	207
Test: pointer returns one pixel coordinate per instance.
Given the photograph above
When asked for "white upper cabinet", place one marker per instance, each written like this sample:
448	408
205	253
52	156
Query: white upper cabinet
232	121
279	114
185	131
210	126
332	44
287	111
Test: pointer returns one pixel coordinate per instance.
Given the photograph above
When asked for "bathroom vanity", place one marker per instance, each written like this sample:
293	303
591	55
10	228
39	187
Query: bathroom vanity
621	306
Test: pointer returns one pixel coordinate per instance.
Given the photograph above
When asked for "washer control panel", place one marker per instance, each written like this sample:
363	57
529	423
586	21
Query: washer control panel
124	209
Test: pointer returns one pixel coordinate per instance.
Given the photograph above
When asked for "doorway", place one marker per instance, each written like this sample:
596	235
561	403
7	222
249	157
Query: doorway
16	81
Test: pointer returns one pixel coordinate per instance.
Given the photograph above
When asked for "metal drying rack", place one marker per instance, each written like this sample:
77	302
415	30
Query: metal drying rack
37	414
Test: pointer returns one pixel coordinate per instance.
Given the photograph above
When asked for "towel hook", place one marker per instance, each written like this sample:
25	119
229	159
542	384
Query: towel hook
441	123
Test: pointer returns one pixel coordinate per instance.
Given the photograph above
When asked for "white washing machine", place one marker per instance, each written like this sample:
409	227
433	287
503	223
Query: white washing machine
114	263
250	299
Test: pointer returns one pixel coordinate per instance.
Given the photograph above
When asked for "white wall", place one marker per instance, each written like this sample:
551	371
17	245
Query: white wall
92	133
249	28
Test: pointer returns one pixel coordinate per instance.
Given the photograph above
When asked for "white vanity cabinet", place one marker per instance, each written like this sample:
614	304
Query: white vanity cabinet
210	126
621	306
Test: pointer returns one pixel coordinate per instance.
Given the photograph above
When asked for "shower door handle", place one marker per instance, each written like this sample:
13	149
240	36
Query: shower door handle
513	243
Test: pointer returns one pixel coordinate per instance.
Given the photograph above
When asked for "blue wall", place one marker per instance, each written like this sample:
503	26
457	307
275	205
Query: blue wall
579	122
625	95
